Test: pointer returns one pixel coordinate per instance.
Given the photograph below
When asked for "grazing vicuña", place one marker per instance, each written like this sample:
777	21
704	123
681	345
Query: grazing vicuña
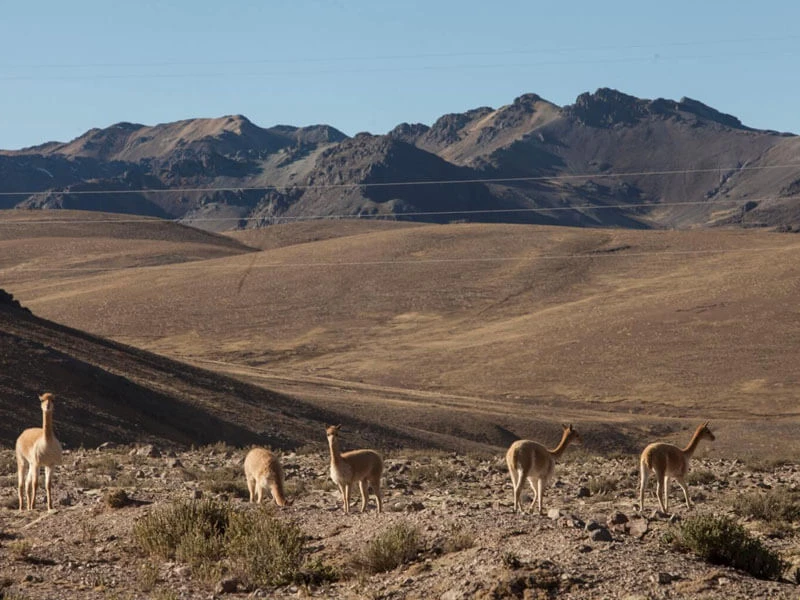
262	469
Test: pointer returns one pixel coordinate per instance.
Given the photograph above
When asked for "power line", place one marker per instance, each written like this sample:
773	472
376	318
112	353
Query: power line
419	182
302	73
410	56
379	216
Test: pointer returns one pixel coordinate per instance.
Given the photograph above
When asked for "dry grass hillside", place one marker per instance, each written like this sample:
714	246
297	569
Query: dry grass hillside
476	331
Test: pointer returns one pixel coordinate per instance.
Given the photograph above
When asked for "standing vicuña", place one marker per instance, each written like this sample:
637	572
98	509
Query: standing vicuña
38	446
363	466
532	461
262	469
667	460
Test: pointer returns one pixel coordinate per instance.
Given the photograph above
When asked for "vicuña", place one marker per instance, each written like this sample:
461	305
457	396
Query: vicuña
667	460
263	470
37	447
532	461
363	466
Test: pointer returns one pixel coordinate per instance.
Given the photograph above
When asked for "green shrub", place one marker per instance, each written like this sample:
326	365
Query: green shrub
722	541
213	537
394	546
183	528
772	506
264	550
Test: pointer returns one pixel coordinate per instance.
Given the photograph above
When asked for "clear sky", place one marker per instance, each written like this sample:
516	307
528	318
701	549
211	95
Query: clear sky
369	65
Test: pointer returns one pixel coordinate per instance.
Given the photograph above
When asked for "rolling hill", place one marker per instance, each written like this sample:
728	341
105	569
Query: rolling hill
609	159
479	332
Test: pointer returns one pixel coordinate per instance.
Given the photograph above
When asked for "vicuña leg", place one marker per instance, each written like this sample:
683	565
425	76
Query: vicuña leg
534	494
362	485
48	471
376	485
643	474
20	479
32	483
682	483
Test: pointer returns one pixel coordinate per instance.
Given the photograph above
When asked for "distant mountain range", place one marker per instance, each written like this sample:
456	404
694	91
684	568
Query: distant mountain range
609	159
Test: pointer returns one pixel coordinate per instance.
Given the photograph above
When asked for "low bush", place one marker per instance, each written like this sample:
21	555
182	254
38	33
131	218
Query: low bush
721	541
213	538
772	506
392	547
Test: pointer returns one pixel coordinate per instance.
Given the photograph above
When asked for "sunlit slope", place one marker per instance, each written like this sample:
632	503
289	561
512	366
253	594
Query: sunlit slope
646	320
40	246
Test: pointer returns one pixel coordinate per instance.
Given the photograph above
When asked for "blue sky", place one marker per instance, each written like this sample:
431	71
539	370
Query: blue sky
367	66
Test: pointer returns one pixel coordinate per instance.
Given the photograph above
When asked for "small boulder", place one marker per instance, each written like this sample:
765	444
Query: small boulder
601	535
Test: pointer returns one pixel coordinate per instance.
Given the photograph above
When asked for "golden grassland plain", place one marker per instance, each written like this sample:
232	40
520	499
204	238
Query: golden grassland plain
461	329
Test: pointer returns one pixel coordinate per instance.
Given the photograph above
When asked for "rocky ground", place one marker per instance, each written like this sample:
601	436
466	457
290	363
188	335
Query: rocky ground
590	543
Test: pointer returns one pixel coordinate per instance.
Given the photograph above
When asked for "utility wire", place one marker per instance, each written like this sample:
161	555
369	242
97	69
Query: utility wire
302	73
394	216
414	56
419	182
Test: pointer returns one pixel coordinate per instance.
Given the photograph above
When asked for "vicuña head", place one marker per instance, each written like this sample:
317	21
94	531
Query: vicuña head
668	460
38	447
362	466
532	461
262	470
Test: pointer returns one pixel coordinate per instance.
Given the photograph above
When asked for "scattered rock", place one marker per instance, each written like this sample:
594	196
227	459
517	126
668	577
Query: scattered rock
617	518
554	513
637	527
601	535
148	450
229	585
584	492
662	578
592	526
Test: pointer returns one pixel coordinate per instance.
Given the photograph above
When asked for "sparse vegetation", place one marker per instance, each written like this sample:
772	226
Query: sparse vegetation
700	477
773	506
457	538
602	485
228	481
20	549
214	538
720	540
264	550
116	498
398	544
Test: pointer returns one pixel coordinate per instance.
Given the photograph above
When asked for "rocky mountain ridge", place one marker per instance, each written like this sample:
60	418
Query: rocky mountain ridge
609	159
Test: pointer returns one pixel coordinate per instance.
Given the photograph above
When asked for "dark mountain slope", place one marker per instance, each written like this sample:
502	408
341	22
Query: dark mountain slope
609	159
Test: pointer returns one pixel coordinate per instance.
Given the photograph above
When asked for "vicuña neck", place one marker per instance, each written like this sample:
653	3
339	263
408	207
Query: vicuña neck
562	445
689	450
334	446
47	425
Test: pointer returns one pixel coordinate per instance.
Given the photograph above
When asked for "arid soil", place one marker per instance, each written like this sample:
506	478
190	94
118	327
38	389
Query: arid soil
472	544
